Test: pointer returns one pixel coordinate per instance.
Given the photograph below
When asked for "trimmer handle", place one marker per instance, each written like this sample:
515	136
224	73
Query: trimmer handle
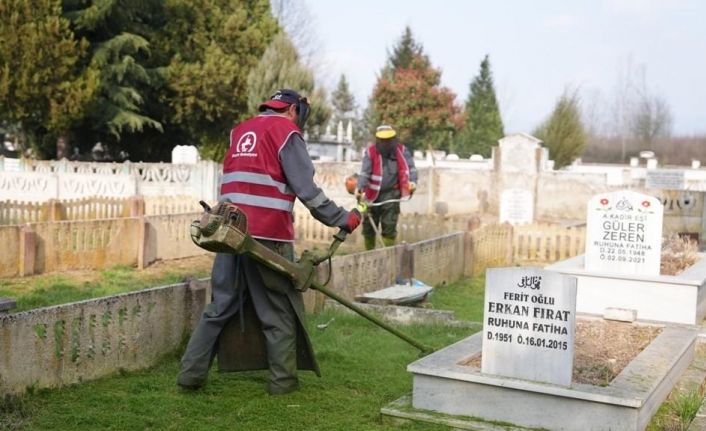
340	236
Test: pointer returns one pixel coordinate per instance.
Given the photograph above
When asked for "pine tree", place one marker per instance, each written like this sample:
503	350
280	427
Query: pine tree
406	52
42	87
280	68
408	95
483	124
563	132
343	102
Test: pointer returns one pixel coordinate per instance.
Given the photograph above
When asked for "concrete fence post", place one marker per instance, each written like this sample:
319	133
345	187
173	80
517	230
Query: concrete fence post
406	269
142	238
509	249
137	206
28	250
195	300
468	246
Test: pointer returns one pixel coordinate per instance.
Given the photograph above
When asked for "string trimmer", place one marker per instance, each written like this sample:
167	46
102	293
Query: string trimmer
223	229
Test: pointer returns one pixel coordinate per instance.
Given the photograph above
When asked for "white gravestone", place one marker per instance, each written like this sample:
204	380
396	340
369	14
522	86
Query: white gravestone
665	179
624	233
516	206
518	153
185	154
529	324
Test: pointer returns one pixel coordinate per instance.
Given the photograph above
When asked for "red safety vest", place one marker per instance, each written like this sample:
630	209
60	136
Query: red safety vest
372	190
253	177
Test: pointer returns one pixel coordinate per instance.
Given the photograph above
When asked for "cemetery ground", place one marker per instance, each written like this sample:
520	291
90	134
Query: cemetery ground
363	367
59	288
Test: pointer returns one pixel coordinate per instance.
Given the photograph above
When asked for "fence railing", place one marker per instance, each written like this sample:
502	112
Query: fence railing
538	244
36	248
411	227
41	180
97	232
94	208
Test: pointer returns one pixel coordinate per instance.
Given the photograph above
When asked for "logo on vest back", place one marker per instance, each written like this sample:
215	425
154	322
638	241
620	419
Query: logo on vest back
245	147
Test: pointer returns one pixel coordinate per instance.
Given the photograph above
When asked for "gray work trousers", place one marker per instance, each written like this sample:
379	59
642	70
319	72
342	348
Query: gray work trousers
236	279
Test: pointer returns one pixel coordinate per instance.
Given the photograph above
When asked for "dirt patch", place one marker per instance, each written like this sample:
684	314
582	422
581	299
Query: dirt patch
602	349
195	263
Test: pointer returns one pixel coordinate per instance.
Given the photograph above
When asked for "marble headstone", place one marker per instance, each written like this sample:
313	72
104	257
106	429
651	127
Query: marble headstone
516	206
529	325
624	233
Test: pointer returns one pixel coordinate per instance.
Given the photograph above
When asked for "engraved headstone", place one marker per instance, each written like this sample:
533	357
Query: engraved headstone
624	233
665	179
516	206
529	325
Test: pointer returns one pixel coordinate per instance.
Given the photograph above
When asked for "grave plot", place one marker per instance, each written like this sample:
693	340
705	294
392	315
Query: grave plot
621	267
528	352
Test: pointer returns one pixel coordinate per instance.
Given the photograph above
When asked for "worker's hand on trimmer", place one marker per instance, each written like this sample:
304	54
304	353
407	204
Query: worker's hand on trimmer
354	219
412	187
358	194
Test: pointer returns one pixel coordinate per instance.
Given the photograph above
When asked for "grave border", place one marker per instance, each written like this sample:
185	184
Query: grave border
628	402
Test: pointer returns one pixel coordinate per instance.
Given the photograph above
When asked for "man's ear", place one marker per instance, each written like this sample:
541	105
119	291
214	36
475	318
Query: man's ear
292	111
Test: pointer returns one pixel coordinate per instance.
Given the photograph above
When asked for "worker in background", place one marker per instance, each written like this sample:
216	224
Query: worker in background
387	174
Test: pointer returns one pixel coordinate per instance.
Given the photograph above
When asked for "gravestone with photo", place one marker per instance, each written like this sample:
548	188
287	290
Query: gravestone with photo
529	325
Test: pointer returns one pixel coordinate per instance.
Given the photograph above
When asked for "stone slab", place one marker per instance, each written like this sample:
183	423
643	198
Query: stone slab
663	298
7	304
442	385
397	294
620	314
401	411
406	315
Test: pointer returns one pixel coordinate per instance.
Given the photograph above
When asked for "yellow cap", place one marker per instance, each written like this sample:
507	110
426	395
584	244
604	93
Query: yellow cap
385	132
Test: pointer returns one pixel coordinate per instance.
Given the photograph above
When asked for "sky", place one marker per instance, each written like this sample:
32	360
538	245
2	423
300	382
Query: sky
537	48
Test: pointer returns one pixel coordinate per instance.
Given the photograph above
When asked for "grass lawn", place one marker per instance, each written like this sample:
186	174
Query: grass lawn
52	289
363	368
465	297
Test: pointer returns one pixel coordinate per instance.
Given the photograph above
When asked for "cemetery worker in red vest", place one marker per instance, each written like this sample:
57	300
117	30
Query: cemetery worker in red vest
265	168
387	173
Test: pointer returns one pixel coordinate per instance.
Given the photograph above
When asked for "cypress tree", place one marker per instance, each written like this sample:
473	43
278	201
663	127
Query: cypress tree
563	132
483	124
343	102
